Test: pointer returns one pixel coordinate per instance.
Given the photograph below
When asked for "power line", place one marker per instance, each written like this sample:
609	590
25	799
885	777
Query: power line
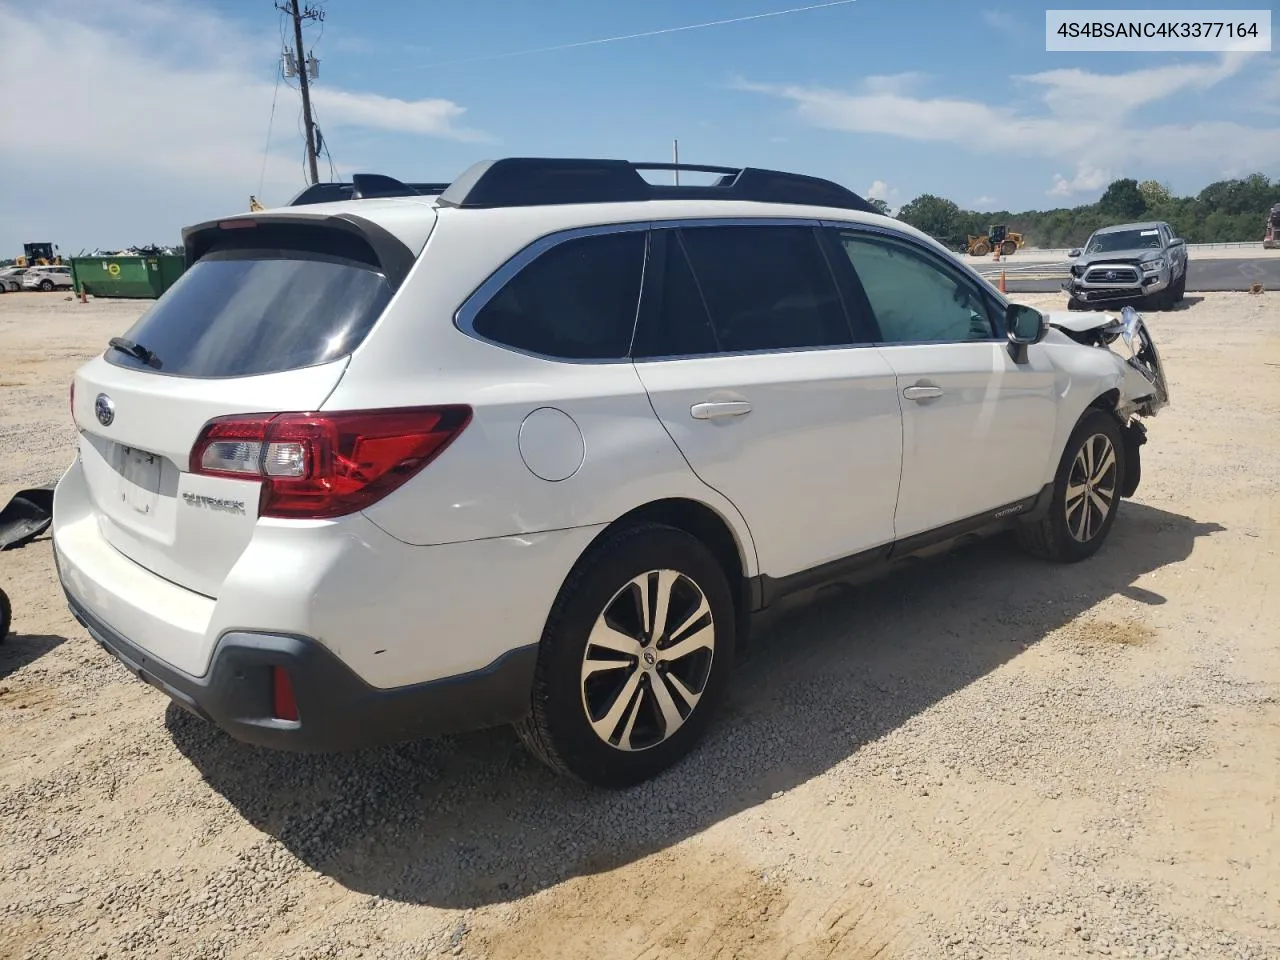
628	36
266	150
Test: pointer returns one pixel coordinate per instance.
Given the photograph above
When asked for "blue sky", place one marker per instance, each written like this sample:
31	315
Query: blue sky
161	107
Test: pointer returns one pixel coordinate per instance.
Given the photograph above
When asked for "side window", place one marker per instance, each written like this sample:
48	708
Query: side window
577	300
675	322
914	298
766	288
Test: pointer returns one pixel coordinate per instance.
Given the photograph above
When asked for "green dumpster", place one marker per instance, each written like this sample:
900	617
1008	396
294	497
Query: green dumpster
138	277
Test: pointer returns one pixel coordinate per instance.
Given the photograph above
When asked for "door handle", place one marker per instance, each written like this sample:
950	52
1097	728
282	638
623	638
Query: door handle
922	392
716	410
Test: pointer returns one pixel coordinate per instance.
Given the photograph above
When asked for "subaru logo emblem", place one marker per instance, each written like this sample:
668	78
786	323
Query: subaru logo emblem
104	409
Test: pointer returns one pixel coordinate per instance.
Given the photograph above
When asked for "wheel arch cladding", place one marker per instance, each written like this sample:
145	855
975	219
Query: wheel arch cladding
1107	401
700	521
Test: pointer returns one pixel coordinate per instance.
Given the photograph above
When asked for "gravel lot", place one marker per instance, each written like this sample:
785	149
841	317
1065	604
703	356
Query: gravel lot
980	757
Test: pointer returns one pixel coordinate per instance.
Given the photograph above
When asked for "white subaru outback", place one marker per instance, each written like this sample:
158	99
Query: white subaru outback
534	450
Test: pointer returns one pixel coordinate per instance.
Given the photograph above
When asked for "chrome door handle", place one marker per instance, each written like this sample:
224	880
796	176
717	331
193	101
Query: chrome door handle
723	408
919	392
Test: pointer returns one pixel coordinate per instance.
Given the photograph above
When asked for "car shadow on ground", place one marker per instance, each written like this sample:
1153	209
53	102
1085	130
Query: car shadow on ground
471	820
19	649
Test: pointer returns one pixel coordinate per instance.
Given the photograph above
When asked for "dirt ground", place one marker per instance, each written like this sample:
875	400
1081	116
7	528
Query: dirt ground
979	757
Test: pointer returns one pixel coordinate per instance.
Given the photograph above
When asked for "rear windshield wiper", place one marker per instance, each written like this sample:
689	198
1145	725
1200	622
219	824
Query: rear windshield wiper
134	350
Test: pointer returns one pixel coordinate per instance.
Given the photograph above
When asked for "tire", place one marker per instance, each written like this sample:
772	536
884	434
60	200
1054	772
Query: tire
1062	535
612	726
46	285
980	249
6	615
1180	288
1074	304
1008	248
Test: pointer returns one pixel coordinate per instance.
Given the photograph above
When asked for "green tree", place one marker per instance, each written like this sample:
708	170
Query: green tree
1154	192
936	216
1123	199
881	205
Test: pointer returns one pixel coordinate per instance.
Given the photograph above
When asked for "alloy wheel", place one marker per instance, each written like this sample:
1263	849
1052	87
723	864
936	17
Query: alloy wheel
648	660
1091	488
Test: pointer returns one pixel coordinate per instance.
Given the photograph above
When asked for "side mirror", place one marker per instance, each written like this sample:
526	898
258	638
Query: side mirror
1177	242
1024	326
1073	253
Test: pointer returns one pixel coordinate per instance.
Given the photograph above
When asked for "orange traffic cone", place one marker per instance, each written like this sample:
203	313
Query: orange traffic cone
995	255
1002	286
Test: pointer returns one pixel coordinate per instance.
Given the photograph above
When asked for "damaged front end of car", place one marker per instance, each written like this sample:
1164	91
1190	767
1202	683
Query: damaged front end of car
1143	388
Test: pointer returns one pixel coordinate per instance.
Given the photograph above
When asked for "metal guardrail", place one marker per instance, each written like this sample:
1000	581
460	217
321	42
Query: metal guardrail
1228	245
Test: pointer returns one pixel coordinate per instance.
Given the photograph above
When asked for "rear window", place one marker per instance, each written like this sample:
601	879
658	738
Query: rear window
241	312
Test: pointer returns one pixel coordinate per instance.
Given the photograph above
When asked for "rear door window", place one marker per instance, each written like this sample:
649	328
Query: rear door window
576	301
766	288
243	312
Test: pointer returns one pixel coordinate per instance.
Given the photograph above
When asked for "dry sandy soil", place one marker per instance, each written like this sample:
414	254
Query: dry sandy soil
982	756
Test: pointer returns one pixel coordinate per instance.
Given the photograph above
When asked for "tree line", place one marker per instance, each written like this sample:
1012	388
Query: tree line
1223	212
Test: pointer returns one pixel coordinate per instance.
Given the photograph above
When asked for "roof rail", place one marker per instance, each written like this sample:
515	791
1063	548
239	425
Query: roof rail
537	181
364	186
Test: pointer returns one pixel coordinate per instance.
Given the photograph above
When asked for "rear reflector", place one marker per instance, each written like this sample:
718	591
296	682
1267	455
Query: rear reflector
283	704
323	465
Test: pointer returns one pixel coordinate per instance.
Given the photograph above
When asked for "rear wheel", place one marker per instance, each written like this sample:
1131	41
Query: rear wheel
46	285
1086	493
1008	248
634	657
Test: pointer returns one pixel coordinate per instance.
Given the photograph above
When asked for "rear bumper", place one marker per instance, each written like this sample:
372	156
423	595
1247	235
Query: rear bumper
337	710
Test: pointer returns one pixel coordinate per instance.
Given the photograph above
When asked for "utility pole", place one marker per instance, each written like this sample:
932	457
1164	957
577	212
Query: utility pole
305	65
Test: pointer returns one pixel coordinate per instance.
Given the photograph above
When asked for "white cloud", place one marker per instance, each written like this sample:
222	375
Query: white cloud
1083	118
1088	179
1005	22
895	83
171	95
879	190
435	118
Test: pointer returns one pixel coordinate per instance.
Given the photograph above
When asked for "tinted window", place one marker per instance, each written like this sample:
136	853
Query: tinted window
915	298
675	323
766	288
577	300
236	313
1144	239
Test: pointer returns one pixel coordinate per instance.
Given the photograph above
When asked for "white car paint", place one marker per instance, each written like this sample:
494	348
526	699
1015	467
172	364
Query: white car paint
463	562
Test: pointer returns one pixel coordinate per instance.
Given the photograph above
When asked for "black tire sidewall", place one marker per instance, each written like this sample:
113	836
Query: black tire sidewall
603	571
6	616
1092	423
46	285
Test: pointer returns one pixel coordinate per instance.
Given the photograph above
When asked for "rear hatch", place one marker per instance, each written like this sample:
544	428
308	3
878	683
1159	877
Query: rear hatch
263	321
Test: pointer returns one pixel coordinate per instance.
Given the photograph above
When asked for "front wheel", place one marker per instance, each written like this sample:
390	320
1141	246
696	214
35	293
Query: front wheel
634	657
1086	493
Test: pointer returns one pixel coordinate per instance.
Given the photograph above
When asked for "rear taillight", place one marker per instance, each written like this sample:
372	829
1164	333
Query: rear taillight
320	465
284	705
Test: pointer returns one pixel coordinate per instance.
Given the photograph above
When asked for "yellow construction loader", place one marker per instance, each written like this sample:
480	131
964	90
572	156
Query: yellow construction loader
998	237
